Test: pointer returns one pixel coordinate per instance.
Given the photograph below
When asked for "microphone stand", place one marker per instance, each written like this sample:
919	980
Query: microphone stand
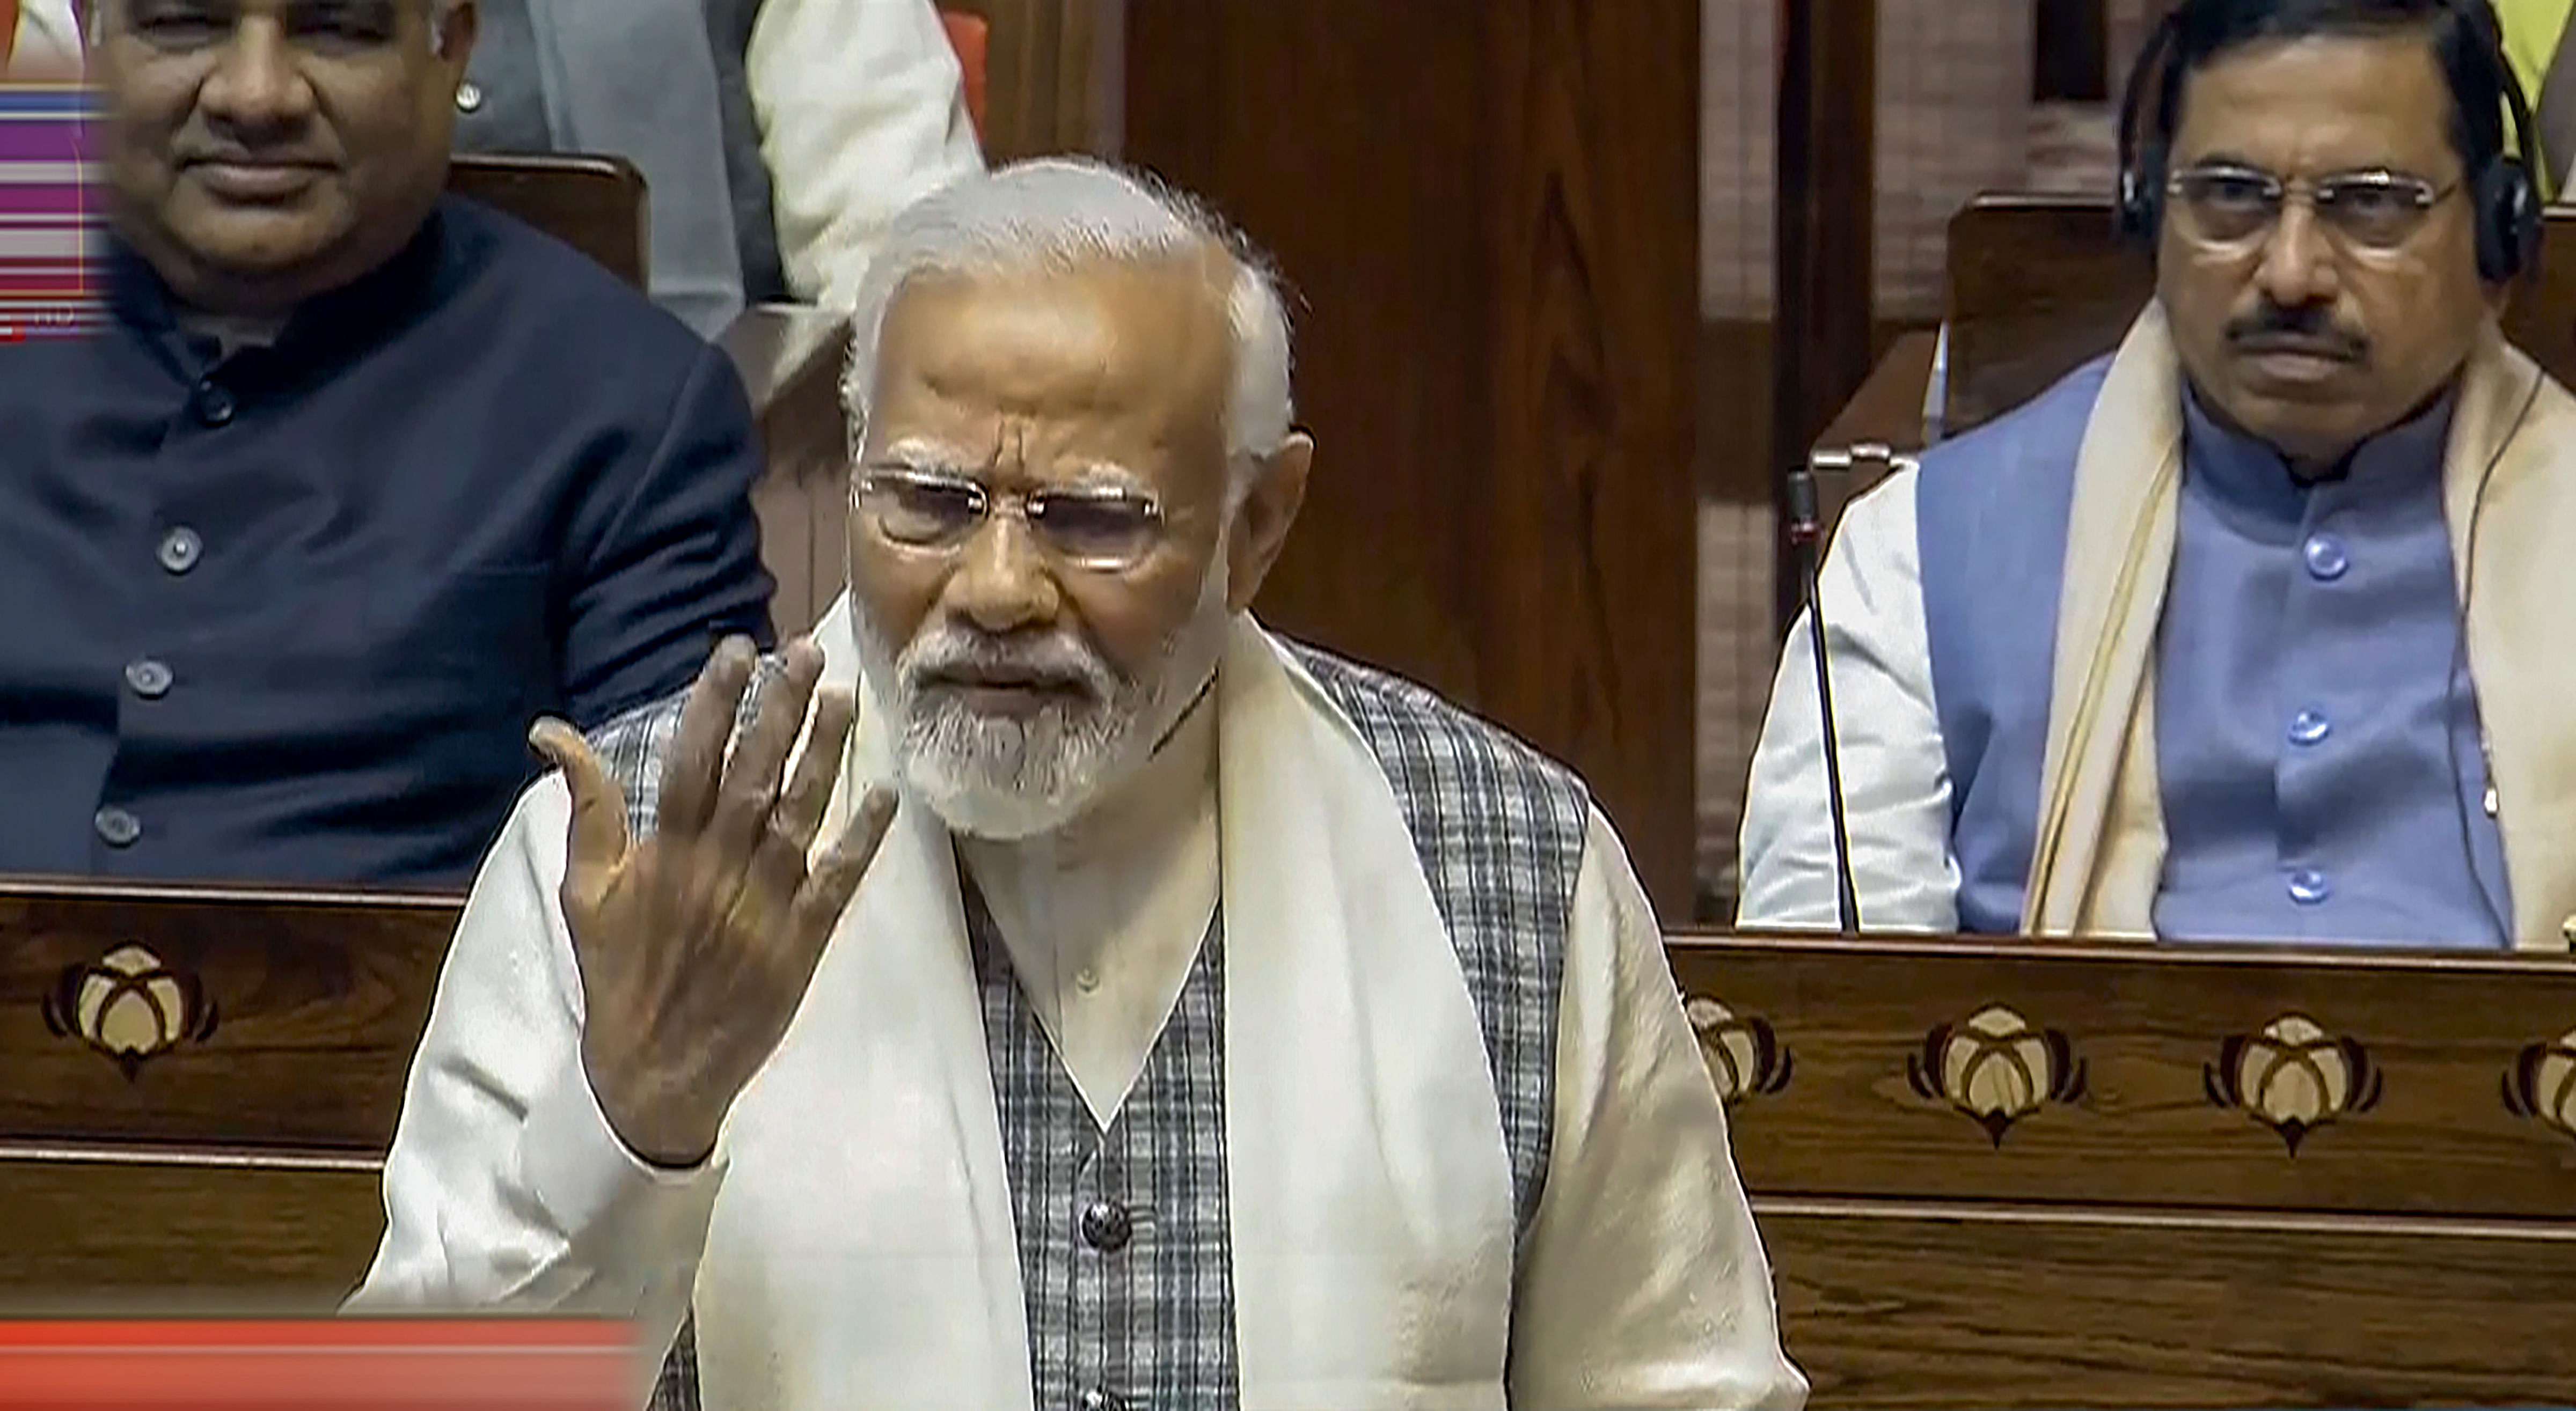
1806	537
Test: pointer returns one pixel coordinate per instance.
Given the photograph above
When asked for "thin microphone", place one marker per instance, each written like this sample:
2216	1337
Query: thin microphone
1806	535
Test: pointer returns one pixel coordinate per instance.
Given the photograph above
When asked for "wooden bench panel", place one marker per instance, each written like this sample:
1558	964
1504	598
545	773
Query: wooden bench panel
2035	1175
112	1228
172	1015
2240	1080
1996	1307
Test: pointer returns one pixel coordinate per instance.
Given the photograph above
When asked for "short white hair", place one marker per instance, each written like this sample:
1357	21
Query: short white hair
1063	213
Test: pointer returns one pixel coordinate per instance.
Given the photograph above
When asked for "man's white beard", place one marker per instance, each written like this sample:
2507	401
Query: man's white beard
1007	778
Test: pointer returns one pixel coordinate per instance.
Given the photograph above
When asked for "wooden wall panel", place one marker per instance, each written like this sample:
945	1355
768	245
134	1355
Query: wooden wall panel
1828	156
1487	209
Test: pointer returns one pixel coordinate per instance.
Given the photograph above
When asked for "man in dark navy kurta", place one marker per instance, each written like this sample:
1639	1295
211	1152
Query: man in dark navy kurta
283	586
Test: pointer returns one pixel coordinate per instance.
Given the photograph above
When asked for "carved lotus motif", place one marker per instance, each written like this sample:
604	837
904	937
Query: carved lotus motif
2293	1077
2541	1085
1745	1056
1996	1069
130	1007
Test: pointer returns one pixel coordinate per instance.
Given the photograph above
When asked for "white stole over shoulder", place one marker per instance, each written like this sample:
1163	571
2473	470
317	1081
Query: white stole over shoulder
1372	1219
2100	854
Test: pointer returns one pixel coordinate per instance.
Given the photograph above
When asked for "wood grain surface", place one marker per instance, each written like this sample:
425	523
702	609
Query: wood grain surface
1999	1308
2441	1041
306	1010
123	1233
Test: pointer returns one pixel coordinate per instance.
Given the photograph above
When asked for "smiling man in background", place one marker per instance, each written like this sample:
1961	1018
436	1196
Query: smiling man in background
354	482
2258	628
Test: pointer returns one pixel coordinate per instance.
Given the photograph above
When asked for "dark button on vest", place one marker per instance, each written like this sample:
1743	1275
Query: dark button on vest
1106	1226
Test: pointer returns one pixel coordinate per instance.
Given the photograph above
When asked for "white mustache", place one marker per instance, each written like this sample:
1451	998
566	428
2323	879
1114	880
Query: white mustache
952	650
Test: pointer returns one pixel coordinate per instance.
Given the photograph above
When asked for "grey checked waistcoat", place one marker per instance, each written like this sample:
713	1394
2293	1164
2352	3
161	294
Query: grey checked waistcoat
1145	1320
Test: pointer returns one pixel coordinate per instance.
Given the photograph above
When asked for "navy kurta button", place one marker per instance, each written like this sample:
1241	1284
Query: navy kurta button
2327	560
116	827
213	404
2309	727
180	548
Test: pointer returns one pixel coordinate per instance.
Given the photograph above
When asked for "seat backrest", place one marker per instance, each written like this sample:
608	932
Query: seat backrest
594	204
2038	285
1029	74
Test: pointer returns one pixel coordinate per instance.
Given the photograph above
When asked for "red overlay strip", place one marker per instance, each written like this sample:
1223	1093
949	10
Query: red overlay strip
348	1364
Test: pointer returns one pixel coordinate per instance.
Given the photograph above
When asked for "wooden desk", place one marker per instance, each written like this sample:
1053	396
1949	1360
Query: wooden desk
2035	1176
201	1084
1994	1176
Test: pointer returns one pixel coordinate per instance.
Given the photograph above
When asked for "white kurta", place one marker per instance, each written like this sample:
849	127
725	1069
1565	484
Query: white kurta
1641	1284
861	114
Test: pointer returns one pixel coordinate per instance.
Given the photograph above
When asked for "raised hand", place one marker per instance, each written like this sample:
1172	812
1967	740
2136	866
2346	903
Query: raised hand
696	945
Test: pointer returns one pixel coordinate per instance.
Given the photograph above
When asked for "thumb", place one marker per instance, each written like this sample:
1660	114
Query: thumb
598	839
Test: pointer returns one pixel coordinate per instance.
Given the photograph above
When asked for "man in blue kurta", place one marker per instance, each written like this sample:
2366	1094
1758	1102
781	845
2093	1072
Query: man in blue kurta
2258	628
355	482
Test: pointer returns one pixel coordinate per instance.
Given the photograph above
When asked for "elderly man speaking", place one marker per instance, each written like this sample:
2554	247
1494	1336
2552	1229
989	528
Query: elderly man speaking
1132	1008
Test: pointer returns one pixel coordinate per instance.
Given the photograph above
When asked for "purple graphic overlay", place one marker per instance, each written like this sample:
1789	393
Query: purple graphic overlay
49	211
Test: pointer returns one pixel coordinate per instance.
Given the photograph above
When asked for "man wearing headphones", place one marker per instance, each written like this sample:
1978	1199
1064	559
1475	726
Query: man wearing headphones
2260	627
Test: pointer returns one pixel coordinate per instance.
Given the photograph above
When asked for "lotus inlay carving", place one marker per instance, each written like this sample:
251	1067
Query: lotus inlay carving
2541	1085
129	1007
2294	1077
1996	1069
1744	1054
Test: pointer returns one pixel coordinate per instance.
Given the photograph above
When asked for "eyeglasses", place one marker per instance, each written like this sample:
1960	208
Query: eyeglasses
1102	530
2366	210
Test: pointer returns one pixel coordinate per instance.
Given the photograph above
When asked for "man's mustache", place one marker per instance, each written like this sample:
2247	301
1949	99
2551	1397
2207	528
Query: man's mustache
2306	330
951	652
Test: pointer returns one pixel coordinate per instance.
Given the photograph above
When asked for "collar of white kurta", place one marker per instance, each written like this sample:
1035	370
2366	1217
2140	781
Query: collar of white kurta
864	1252
2100	848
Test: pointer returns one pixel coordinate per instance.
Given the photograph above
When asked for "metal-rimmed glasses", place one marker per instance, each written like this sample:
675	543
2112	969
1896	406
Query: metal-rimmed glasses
1105	530
2228	206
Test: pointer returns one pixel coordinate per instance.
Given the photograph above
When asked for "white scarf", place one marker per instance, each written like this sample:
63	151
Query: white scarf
1369	1190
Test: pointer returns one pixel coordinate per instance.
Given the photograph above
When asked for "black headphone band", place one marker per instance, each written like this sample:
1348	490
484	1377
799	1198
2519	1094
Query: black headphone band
2141	175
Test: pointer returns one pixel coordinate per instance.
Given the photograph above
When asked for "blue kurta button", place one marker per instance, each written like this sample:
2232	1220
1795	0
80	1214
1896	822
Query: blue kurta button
2309	726
2308	886
2326	557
